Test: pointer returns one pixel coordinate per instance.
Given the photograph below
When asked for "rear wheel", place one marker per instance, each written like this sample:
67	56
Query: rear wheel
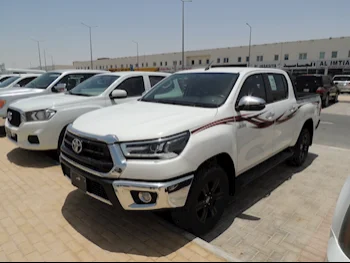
206	202
301	149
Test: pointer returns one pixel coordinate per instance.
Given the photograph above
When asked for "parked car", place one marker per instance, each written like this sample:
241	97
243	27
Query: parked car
48	83
6	76
319	84
342	82
188	143
18	81
339	241
45	118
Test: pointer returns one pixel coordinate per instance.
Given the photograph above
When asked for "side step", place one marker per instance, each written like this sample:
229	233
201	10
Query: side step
261	169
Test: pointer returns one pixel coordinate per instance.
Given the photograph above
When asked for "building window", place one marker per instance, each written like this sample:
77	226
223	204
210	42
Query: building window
166	63
349	54
239	59
192	62
286	56
302	56
277	57
200	62
154	64
334	54
247	59
111	66
142	65
137	65
127	66
322	55
259	58
208	61
88	67
100	67
219	60
180	62
226	60
161	63
146	64
122	66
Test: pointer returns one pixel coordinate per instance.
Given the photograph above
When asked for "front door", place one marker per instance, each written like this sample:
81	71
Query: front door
134	87
254	128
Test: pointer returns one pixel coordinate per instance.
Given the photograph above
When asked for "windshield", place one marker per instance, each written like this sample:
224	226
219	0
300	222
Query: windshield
94	86
8	82
2	79
209	90
308	80
43	81
342	78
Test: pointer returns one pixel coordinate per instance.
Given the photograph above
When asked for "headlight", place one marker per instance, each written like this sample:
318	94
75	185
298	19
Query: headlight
2	103
41	115
164	148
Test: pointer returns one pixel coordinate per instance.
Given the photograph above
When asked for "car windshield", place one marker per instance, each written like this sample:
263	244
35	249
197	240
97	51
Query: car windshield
7	82
209	90
342	78
94	86
302	81
43	81
2	79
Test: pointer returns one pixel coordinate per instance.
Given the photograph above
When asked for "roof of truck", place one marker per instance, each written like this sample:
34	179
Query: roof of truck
131	73
72	71
240	70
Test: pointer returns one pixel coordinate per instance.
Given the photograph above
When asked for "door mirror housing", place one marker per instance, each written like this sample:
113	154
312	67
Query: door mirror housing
250	103
118	94
17	86
61	87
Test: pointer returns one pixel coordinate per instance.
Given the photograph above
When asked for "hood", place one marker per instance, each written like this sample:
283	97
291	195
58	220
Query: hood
8	92
51	101
143	120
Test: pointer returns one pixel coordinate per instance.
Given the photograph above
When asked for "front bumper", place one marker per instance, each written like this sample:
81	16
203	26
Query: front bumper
47	135
165	195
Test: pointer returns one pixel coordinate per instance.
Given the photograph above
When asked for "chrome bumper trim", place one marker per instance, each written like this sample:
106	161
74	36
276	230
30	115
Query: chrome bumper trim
171	194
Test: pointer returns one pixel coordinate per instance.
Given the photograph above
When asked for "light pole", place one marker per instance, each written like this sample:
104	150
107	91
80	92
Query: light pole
183	32
37	41
53	66
90	27
137	50
250	42
45	59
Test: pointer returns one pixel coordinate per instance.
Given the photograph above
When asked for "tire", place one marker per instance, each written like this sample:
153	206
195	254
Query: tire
301	149
60	141
326	101
206	202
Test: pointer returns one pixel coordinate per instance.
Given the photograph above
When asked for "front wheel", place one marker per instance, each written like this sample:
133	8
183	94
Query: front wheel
206	202
301	149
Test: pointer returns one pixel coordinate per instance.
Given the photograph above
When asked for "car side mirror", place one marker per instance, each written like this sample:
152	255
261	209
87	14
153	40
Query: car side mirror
250	103
17	86
61	87
118	94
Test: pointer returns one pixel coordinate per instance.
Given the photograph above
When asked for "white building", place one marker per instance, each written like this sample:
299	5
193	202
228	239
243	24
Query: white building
322	56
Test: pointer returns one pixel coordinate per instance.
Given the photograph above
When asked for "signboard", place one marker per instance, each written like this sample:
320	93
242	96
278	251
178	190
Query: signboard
304	64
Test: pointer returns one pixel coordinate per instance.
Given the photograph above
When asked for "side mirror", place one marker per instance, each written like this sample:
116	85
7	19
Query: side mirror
17	86
118	94
250	103
61	87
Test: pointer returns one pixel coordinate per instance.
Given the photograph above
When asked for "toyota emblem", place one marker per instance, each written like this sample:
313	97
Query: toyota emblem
9	116
77	146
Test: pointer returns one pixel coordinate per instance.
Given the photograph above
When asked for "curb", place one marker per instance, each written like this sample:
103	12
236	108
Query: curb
200	242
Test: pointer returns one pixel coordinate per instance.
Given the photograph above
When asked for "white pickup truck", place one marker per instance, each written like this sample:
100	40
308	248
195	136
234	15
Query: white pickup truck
48	83
187	144
45	118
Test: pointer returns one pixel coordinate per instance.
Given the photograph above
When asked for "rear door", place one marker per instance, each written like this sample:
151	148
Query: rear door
285	107
25	81
255	128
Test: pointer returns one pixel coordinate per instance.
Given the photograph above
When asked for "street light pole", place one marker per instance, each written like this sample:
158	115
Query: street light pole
137	50
183	32
52	64
90	27
38	42
250	43
45	59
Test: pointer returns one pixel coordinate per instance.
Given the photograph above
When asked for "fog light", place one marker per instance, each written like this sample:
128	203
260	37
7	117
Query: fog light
145	197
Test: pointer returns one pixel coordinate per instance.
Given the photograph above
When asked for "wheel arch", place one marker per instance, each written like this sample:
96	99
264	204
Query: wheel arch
309	125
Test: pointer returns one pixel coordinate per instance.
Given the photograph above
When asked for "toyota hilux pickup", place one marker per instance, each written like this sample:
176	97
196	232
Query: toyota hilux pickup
191	141
45	118
48	83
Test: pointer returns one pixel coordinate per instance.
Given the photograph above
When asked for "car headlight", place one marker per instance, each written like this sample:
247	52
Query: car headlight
40	115
164	148
2	103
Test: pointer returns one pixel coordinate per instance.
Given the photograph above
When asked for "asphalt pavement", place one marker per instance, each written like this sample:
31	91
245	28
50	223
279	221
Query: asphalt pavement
334	129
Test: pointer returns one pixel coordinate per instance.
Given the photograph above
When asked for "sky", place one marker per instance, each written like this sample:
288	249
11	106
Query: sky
157	26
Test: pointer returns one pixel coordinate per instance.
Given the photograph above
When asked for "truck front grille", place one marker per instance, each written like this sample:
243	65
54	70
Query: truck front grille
94	155
14	117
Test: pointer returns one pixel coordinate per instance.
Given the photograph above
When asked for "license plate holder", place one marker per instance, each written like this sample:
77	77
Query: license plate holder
79	181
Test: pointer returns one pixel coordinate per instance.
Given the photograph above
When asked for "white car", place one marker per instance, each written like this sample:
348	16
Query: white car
339	242
188	143
48	83
45	118
6	76
342	82
17	81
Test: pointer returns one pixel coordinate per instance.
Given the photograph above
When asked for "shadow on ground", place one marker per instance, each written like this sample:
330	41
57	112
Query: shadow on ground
115	230
253	193
33	159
